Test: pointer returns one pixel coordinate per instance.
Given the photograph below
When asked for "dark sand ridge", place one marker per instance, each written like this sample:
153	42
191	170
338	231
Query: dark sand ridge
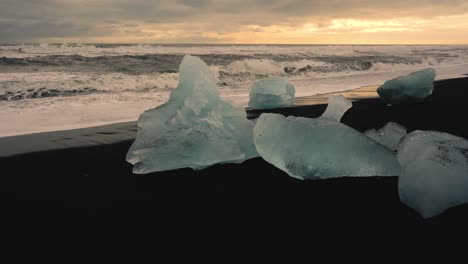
73	138
74	202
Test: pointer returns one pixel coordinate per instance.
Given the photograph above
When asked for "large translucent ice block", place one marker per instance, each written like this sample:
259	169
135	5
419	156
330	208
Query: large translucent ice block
194	129
434	174
311	148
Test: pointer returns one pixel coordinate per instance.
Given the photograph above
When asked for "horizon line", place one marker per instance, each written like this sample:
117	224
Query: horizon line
243	44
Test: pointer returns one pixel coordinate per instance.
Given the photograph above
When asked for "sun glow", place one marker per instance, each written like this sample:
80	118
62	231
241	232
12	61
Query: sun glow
406	30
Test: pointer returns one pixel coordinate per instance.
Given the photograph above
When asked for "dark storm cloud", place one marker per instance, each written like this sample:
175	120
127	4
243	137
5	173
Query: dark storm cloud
32	19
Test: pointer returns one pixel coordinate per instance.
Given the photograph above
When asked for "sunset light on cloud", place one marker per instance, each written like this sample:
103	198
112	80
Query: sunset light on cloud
237	21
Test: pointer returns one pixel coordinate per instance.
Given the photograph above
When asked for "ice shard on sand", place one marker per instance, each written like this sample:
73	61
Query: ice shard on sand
336	108
410	88
271	93
389	135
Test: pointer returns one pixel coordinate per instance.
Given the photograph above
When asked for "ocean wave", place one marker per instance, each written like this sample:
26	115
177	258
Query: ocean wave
74	70
19	86
44	92
132	64
93	79
91	50
252	69
259	64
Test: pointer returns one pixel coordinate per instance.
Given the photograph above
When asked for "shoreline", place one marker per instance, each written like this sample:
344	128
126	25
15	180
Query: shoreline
68	128
307	106
26	117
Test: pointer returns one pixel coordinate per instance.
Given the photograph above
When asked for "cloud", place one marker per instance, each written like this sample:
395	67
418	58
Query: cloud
30	20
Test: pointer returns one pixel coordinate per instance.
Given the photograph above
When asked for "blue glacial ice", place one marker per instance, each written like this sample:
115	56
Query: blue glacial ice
194	129
434	174
336	108
271	93
313	148
410	88
389	135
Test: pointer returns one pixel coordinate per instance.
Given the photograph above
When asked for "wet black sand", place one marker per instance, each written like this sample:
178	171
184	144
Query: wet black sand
85	205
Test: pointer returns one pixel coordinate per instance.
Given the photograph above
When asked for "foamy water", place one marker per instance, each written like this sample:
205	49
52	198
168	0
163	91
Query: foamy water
54	87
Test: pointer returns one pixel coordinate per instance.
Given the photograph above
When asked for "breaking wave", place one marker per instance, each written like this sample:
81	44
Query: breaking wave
19	86
31	84
62	70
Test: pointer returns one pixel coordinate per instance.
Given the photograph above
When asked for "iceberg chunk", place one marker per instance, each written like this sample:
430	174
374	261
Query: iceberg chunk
389	135
411	88
434	173
194	129
271	93
337	107
312	148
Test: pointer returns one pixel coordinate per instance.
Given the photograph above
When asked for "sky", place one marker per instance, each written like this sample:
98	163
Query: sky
235	21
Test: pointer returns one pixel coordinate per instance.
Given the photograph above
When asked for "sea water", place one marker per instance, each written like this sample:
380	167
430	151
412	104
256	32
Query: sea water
46	87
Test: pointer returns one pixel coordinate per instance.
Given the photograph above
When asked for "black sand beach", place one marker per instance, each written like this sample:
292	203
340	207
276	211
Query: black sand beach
77	203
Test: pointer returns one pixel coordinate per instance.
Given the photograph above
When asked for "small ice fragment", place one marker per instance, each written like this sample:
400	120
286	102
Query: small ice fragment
337	107
410	88
389	135
194	129
312	148
434	173
271	93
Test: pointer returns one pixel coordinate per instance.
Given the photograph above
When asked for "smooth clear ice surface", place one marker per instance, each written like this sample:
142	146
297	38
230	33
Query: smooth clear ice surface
336	108
194	129
389	135
410	88
271	93
312	148
434	173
